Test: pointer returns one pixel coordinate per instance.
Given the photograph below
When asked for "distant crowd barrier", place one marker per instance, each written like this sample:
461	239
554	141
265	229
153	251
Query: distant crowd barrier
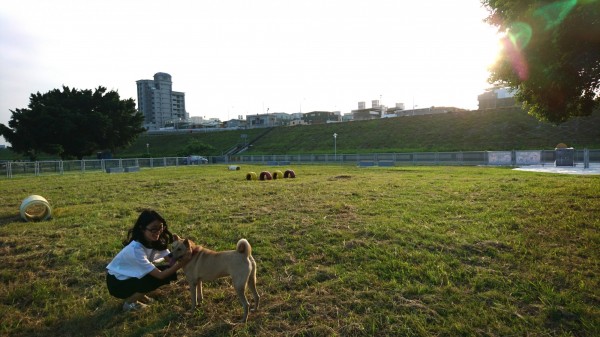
581	158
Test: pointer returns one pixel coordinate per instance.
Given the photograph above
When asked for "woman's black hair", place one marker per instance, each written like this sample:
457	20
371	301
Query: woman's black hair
137	232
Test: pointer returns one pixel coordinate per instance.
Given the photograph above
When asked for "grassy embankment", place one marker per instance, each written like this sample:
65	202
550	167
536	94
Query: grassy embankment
509	129
460	131
419	251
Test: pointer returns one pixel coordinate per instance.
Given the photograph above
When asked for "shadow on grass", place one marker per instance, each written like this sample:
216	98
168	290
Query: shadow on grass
95	324
8	219
108	320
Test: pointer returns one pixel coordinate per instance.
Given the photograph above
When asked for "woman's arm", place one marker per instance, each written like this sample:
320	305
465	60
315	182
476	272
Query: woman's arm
161	275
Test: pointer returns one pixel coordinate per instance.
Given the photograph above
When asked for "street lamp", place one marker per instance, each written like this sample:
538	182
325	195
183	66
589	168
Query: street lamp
335	147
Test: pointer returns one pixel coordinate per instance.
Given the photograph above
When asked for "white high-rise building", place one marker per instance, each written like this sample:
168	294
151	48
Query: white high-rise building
159	104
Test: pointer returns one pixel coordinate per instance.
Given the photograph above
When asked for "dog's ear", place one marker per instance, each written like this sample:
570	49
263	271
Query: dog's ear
176	237
186	242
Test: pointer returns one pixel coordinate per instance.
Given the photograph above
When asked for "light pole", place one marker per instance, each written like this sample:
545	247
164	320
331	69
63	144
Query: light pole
147	148
335	147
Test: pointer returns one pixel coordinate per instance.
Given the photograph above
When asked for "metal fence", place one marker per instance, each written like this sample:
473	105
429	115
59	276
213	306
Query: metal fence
470	158
581	158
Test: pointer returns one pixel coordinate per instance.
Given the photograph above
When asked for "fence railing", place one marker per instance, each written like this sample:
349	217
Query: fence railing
582	158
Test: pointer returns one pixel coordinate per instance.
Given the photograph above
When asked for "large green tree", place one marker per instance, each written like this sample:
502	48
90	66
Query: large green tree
73	123
550	55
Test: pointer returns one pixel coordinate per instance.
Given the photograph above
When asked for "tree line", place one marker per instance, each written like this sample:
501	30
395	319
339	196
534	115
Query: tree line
73	123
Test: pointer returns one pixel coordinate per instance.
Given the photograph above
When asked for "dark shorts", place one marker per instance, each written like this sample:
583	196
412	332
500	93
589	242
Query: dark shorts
125	288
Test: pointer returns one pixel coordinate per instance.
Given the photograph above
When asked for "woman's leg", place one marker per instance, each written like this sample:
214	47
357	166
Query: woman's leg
127	290
134	290
149	283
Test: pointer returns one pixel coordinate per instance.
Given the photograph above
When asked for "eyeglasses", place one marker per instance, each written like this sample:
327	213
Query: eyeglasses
155	230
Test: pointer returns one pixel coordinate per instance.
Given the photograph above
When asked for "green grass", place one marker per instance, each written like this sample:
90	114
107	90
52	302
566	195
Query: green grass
341	251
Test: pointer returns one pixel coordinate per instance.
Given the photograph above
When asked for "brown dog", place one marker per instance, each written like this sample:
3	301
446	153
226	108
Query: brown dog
208	265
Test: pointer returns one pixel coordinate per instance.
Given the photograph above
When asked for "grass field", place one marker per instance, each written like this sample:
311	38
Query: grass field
341	251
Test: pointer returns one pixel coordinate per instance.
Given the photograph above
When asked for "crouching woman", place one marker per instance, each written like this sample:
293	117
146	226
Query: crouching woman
134	272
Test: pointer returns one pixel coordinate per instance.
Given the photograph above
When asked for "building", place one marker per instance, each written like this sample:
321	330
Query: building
321	117
295	122
497	98
394	112
160	105
239	123
196	120
363	113
268	120
261	120
282	118
425	111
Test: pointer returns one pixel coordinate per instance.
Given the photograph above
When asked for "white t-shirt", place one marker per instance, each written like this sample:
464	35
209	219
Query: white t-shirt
135	260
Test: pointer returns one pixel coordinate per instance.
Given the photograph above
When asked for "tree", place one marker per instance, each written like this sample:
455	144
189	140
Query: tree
73	123
550	55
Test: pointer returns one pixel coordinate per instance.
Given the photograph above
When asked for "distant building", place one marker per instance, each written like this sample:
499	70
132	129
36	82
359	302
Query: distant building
235	124
268	120
426	111
196	120
261	120
366	114
296	115
322	117
363	114
347	117
393	112
282	118
295	122
497	98
160	105
211	123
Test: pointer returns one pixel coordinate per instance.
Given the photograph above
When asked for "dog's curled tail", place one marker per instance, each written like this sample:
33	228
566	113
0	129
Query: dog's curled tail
243	247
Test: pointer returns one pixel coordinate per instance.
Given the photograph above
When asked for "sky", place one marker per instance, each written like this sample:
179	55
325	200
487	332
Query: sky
241	57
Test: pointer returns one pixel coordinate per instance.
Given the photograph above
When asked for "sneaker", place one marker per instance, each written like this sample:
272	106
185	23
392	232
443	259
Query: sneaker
133	306
147	300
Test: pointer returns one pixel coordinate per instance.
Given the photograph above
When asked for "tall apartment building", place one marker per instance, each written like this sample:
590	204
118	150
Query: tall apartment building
159	104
